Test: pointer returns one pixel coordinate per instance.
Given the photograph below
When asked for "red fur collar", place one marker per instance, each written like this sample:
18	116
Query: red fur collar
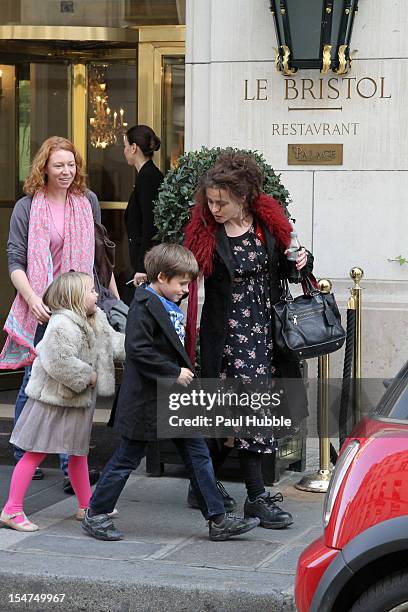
200	231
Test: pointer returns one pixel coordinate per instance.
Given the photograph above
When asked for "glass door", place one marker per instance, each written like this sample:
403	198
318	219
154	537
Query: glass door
111	91
34	103
51	87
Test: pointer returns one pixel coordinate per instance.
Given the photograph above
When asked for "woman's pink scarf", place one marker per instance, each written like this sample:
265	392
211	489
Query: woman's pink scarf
77	254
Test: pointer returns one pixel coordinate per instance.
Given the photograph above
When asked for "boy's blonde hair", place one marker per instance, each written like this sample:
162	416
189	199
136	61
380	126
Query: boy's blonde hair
68	291
170	259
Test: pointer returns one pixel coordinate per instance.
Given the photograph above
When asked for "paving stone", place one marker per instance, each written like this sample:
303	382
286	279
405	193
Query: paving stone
285	560
244	551
90	547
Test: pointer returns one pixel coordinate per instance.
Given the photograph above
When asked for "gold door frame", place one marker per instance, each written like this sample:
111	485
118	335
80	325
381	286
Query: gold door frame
150	89
154	43
74	33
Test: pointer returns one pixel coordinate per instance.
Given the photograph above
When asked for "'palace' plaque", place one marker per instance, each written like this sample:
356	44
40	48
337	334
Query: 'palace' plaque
315	154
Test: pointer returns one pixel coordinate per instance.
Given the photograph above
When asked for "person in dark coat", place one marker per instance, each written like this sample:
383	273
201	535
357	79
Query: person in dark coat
239	236
154	351
140	142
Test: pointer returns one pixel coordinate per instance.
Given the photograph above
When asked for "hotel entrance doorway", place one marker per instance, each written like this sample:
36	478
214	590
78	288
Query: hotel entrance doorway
86	84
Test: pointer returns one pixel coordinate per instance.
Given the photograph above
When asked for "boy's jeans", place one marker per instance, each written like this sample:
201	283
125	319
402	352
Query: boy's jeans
127	457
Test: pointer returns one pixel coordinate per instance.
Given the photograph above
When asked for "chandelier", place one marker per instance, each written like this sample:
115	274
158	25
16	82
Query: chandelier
105	126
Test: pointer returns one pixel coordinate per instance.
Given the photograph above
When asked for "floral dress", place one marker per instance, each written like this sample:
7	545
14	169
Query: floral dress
248	350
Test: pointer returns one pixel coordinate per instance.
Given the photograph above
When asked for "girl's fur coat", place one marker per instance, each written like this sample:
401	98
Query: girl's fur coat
70	350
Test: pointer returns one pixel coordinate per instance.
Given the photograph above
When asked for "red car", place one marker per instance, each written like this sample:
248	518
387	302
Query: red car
360	563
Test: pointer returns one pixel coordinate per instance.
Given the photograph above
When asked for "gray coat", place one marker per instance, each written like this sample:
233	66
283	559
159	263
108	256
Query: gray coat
58	416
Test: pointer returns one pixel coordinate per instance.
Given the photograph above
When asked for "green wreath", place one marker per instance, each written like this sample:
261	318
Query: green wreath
172	208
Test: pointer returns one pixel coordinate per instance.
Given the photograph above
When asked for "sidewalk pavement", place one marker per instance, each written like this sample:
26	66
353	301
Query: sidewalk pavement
165	563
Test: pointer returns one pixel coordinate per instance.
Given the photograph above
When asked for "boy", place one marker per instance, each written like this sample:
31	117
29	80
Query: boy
155	350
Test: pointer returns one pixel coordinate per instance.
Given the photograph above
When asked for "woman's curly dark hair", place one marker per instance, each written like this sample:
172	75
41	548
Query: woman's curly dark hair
237	173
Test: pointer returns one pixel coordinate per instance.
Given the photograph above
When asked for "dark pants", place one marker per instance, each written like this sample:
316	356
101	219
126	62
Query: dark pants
127	457
249	461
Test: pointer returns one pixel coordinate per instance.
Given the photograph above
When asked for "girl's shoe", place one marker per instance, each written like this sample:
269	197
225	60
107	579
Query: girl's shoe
80	515
6	520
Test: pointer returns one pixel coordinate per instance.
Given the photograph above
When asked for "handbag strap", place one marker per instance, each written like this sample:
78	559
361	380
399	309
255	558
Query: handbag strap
286	294
309	285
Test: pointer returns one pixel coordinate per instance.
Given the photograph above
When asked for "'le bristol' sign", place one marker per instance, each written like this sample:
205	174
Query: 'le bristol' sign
296	98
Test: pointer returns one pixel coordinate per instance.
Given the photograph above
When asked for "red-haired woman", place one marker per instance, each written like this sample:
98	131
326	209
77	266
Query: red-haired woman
239	236
51	232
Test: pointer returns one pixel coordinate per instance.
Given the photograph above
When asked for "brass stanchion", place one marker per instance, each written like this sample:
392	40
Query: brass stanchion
356	274
318	482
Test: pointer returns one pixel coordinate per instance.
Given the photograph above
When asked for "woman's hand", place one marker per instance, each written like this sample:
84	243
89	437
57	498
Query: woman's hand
139	278
92	382
185	377
41	312
301	260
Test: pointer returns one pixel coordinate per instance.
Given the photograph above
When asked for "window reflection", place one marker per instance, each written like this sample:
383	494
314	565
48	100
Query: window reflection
34	104
7	132
109	175
172	110
43	109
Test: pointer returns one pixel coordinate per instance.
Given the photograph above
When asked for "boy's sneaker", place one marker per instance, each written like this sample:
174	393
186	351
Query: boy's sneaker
270	515
231	526
100	527
229	502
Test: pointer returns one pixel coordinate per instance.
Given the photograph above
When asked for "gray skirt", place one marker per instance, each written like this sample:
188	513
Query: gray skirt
43	428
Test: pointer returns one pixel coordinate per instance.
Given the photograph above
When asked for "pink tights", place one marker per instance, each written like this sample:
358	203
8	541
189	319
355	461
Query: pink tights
23	473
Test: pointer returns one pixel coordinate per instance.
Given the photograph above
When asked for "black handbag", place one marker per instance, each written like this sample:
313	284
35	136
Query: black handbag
307	326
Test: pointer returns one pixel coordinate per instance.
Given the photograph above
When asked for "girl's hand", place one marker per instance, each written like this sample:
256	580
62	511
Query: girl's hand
41	312
92	382
185	377
139	278
301	260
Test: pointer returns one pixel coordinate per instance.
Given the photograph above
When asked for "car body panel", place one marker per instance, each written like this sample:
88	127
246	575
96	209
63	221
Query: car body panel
311	566
373	544
375	488
369	517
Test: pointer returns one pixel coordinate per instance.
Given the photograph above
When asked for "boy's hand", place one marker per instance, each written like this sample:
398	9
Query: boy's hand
92	382
185	378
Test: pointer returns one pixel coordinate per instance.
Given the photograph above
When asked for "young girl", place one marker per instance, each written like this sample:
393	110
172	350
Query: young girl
74	363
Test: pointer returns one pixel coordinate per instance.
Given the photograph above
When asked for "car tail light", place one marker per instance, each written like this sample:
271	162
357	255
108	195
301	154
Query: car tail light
339	472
